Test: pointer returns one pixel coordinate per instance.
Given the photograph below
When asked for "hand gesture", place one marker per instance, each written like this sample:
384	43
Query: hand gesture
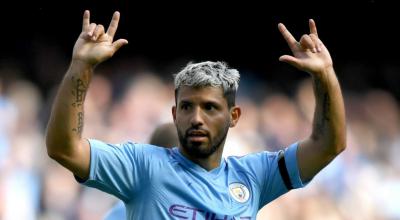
94	45
309	54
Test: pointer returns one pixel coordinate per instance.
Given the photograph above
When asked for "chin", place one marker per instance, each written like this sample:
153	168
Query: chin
198	149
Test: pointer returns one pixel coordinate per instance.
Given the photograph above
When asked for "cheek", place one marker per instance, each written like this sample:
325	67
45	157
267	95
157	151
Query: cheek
180	123
221	123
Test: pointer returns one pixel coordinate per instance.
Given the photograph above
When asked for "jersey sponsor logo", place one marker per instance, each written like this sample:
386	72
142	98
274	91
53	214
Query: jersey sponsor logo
239	192
190	213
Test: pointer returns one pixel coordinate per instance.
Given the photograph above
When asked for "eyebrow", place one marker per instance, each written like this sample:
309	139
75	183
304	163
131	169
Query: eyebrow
213	103
185	102
202	103
205	101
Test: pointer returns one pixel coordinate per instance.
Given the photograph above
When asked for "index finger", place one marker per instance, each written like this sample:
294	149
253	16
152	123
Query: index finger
313	27
112	28
86	20
291	41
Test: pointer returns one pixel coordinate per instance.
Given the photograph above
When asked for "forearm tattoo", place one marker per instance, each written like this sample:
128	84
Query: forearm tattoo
79	93
323	114
79	127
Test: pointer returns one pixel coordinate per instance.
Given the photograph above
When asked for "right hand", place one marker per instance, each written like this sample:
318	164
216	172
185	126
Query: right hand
94	45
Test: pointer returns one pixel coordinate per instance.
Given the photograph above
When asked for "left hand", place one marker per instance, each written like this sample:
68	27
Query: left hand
309	54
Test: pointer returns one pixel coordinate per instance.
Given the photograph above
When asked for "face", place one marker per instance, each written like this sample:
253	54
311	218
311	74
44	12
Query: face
202	118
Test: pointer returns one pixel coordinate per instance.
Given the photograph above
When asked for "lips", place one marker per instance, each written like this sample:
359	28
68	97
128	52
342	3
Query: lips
197	135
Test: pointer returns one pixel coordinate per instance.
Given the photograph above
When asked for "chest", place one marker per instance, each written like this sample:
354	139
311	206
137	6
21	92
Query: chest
187	193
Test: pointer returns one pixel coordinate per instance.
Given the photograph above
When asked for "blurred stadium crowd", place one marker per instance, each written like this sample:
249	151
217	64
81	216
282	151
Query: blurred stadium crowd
127	100
130	96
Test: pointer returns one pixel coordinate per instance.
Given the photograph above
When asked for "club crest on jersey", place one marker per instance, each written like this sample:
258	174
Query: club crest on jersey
239	192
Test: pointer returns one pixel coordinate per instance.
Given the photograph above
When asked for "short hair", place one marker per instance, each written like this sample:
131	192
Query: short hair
215	74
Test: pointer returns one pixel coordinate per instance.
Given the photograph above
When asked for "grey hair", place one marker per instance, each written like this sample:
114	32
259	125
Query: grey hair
216	74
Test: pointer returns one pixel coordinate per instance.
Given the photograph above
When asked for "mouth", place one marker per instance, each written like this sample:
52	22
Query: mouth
197	135
197	138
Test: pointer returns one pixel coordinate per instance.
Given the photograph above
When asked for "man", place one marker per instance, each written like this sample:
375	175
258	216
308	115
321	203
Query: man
164	136
192	181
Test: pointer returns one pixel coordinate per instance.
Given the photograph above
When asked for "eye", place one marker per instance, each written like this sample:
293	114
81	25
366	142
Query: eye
185	106
209	106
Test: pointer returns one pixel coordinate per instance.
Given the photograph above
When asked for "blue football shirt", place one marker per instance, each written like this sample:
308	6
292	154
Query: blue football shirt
117	212
160	183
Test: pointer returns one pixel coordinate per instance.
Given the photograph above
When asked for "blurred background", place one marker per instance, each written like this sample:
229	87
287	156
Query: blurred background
132	93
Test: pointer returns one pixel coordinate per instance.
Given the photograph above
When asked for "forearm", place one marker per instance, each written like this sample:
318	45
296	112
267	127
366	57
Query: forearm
65	126
328	137
329	129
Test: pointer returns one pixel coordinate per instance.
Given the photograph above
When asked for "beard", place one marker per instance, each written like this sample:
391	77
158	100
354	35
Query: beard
197	149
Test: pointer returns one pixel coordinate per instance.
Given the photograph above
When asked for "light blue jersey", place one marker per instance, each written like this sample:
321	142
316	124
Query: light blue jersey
117	212
160	183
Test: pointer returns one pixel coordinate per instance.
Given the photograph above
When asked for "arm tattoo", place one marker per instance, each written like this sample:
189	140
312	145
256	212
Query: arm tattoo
323	114
324	117
79	93
79	128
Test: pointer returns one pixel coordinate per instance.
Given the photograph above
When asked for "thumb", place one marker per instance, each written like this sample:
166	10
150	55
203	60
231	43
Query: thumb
290	60
119	43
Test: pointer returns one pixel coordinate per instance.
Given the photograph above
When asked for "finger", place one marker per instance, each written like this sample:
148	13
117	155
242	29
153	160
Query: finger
90	29
99	30
290	60
321	45
113	24
86	20
119	43
307	43
88	33
313	27
290	40
316	41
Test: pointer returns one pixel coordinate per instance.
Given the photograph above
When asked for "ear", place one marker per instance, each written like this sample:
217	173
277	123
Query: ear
174	113
235	115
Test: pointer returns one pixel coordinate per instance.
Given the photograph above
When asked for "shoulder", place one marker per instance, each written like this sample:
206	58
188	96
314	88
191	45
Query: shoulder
155	151
259	162
127	146
128	150
254	157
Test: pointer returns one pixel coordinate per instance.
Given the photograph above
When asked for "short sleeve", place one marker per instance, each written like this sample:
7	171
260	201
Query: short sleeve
117	169
292	166
117	212
274	184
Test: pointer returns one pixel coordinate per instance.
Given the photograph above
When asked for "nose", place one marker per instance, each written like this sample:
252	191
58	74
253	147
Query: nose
196	117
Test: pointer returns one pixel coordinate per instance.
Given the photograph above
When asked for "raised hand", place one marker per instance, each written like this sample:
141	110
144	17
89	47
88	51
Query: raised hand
309	54
94	45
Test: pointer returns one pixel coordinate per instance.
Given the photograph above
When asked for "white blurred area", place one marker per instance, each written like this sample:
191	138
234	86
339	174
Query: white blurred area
363	183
